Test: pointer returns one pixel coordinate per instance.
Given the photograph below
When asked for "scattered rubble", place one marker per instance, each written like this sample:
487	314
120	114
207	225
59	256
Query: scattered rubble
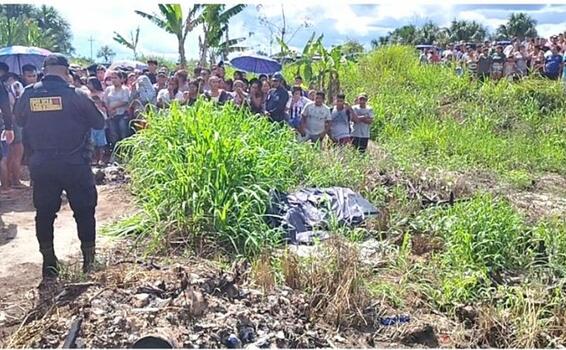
192	304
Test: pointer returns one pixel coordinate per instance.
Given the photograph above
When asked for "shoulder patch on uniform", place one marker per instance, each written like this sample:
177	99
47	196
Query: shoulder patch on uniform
46	104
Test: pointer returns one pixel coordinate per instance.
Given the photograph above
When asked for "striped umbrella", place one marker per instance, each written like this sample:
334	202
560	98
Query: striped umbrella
17	56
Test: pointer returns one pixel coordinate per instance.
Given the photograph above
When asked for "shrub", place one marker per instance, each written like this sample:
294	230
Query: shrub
209	171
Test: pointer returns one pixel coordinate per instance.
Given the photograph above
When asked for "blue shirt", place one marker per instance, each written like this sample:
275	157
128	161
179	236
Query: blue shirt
552	64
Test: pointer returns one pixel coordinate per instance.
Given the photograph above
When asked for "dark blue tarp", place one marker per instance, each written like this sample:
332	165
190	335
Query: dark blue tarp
305	214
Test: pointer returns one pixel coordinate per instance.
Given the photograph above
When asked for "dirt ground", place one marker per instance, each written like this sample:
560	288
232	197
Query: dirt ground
20	260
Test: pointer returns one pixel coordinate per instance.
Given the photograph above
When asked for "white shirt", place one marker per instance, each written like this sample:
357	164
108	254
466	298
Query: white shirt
163	97
315	118
114	97
362	129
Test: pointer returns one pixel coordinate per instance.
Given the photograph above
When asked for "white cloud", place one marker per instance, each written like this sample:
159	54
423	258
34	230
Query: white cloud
337	21
546	30
491	23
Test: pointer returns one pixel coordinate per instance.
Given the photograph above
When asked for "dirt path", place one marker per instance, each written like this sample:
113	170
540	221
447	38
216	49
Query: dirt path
20	260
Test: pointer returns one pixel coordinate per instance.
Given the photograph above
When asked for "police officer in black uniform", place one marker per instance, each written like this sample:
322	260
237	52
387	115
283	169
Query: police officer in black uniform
57	119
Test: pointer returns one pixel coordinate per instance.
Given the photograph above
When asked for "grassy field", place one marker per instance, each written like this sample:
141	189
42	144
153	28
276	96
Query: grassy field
450	160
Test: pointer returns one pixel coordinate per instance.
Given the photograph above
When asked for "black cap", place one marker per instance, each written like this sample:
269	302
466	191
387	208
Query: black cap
56	59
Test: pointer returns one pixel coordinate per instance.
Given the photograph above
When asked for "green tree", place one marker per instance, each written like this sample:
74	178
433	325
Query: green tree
170	18
34	26
215	40
466	31
352	47
381	41
319	65
405	35
520	25
131	44
106	52
49	19
428	34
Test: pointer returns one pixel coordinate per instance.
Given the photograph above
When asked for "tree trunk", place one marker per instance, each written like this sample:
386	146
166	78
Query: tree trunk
226	48
203	51
182	59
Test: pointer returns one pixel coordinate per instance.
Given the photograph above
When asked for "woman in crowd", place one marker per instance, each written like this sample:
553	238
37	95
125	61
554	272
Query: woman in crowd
509	68
191	96
265	87
172	93
229	85
94	87
143	91
131	80
239	95
256	100
182	77
117	99
98	136
216	94
497	62
521	59
295	107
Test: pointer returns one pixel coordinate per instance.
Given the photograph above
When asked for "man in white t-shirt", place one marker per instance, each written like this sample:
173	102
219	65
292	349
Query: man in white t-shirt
315	122
363	118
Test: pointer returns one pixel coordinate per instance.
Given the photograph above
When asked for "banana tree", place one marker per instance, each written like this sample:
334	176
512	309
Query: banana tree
131	44
320	66
172	20
215	21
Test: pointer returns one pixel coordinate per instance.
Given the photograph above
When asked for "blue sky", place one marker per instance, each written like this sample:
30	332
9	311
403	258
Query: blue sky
338	21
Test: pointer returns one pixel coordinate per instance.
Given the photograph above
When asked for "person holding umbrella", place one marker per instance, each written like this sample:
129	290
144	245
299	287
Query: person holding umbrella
277	99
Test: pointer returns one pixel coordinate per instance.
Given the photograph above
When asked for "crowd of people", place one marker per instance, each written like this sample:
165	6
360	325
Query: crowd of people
510	60
123	94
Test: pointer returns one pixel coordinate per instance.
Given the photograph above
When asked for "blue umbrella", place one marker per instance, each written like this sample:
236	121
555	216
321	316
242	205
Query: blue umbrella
17	56
256	64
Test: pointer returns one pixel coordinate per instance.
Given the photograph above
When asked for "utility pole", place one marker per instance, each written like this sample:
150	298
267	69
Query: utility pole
91	41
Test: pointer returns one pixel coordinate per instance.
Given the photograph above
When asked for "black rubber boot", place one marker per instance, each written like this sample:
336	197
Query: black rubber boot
88	258
50	267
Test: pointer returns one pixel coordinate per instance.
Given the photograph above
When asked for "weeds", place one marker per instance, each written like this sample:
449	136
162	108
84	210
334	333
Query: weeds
426	115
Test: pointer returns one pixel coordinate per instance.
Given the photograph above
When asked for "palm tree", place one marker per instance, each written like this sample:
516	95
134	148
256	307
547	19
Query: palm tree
171	20
406	35
28	25
520	25
132	44
48	18
215	20
428	33
466	31
227	47
106	52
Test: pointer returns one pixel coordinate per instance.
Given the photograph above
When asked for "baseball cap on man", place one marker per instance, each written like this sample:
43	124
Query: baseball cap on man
277	76
56	59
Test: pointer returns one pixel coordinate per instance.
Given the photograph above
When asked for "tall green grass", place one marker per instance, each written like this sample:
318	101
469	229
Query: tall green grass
426	115
485	238
207	172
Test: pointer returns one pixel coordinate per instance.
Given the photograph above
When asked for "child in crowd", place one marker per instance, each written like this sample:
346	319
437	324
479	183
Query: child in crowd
99	136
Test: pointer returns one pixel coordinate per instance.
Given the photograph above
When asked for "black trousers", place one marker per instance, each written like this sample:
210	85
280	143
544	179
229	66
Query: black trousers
50	179
361	143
